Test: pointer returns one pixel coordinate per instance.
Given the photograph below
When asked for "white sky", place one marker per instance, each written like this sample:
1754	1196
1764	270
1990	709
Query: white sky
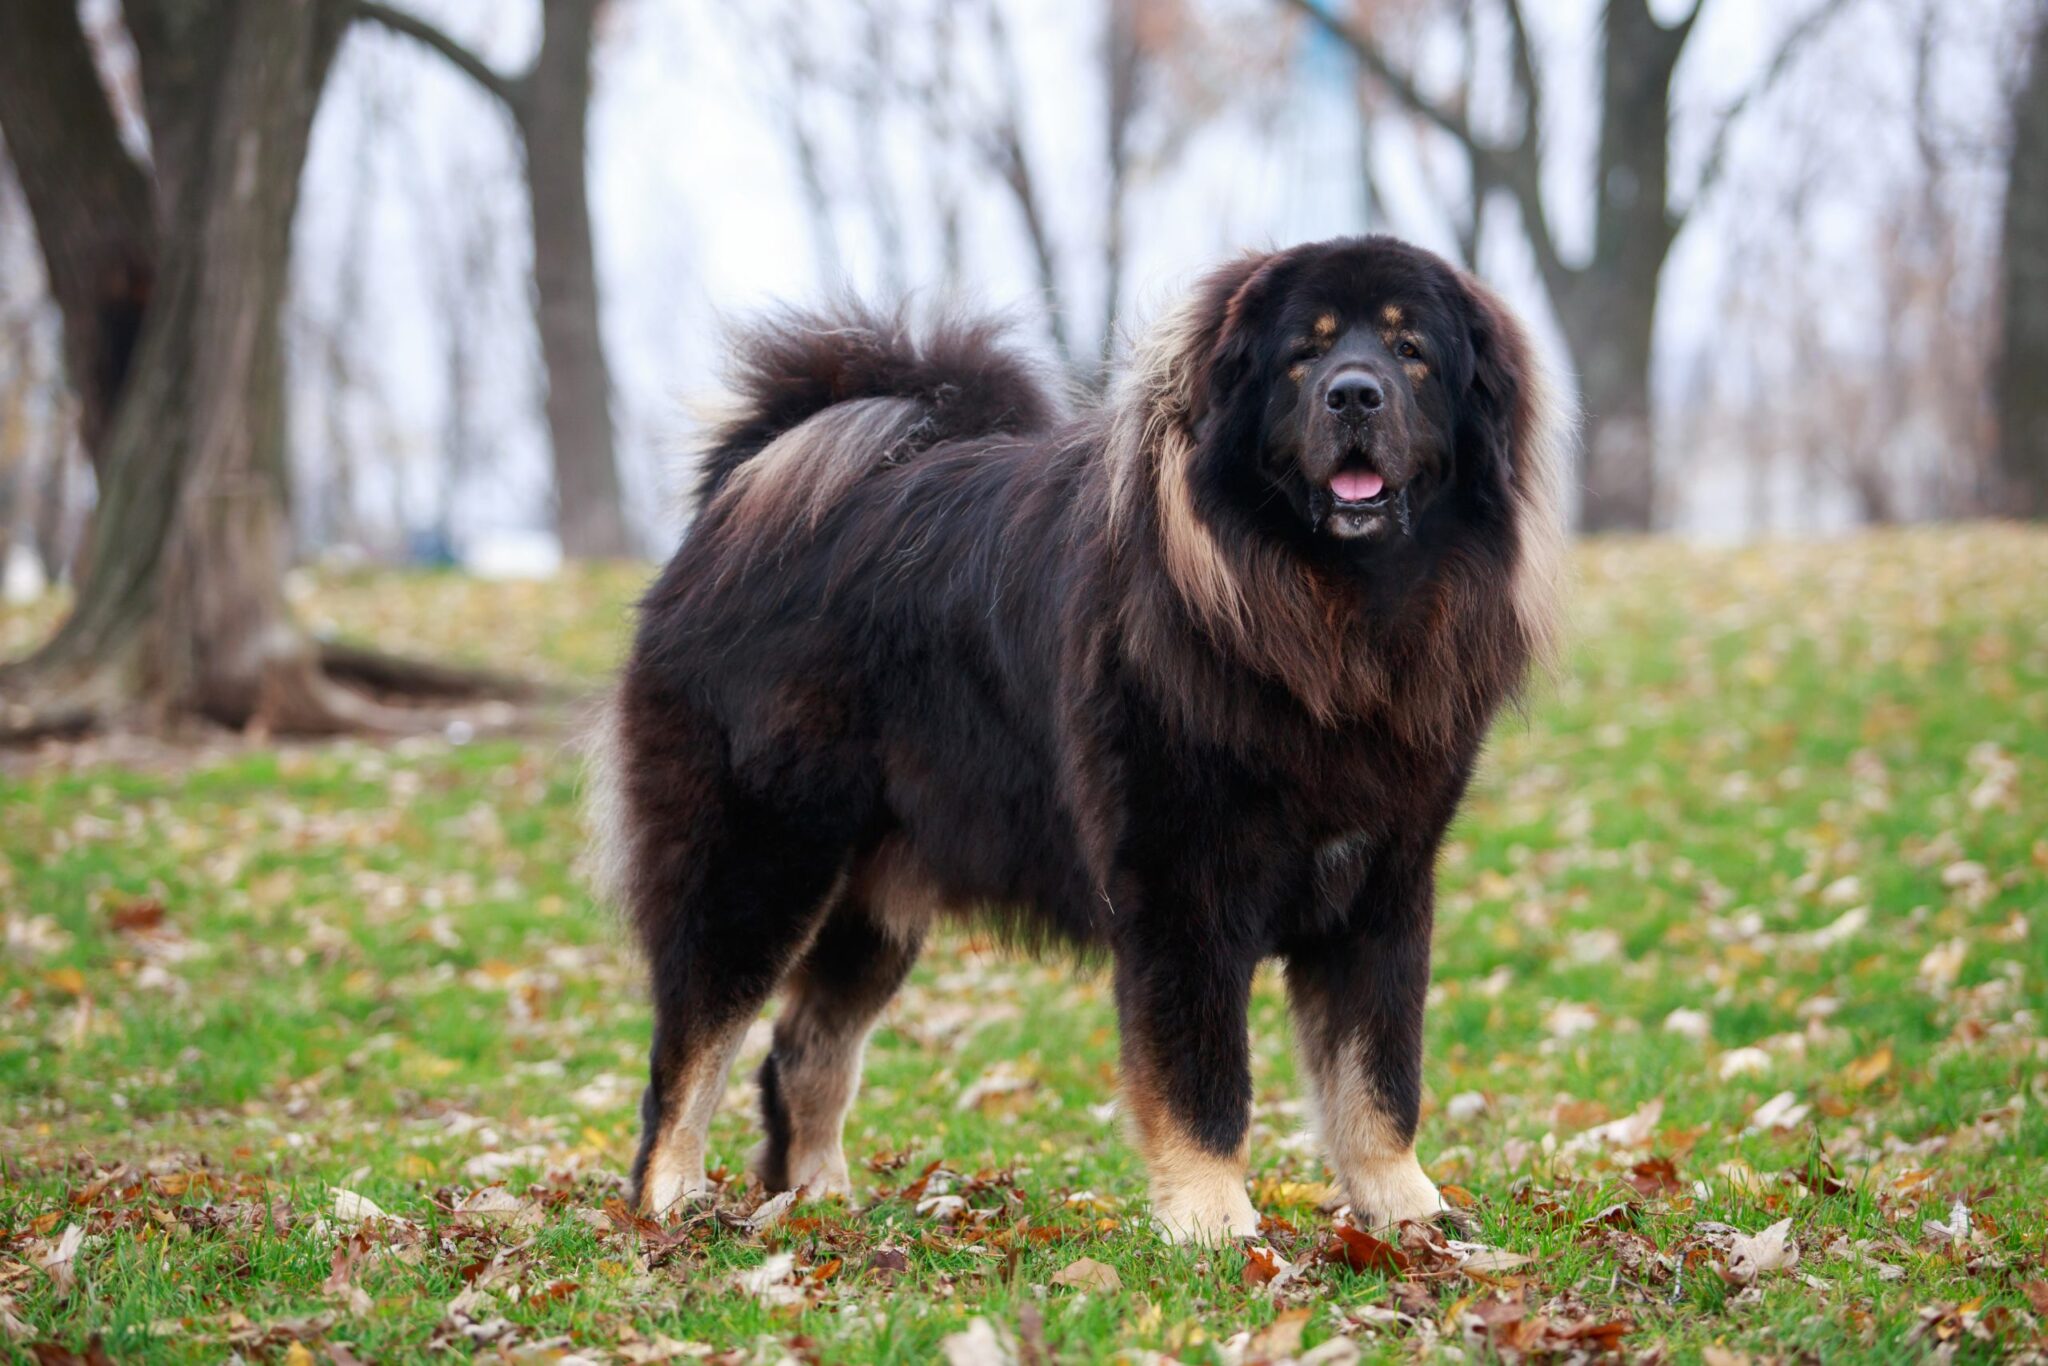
699	214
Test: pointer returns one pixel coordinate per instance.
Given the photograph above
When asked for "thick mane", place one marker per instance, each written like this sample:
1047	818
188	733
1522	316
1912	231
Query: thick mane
1544	427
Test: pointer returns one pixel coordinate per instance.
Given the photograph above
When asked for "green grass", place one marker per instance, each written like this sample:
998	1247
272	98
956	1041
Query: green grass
375	971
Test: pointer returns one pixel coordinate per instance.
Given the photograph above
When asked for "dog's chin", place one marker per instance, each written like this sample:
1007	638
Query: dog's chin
1376	516
1366	520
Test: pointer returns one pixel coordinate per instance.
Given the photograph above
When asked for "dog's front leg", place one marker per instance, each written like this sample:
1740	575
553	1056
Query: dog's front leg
1188	1086
1357	1004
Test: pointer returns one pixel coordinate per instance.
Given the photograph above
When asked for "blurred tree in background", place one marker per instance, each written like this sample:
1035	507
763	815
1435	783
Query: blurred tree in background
171	277
2023	372
549	103
1606	304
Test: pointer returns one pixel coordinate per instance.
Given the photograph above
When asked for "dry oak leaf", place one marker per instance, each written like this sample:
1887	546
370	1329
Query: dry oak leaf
57	1262
1362	1252
980	1345
1278	1340
1753	1255
1085	1273
1263	1266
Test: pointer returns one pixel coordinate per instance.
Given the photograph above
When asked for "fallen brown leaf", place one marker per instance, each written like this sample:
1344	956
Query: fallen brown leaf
1085	1273
1362	1252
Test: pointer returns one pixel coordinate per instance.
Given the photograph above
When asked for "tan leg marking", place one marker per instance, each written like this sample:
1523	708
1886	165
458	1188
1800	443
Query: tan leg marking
1376	1167
817	1092
675	1169
1197	1196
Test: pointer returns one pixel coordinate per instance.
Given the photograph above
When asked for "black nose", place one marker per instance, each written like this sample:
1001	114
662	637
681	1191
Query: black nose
1354	395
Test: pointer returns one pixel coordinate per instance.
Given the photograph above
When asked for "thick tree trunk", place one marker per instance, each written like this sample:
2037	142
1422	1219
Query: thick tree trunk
1608	333
183	604
553	112
2023	367
182	607
90	200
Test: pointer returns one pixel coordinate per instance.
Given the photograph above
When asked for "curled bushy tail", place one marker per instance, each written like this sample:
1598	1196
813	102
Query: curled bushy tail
950	379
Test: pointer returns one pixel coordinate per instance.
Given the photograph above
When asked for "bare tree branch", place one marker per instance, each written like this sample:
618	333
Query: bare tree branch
1005	142
91	204
1525	72
1375	60
1716	160
1517	168
509	89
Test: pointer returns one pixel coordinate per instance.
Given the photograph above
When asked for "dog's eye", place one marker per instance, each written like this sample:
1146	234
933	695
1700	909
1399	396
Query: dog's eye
1304	354
1408	350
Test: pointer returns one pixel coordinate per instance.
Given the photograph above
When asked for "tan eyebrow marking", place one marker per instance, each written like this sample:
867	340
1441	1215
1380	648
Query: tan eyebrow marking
1391	315
1326	326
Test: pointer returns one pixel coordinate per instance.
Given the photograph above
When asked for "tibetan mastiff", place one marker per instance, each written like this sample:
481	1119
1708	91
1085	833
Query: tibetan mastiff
1194	678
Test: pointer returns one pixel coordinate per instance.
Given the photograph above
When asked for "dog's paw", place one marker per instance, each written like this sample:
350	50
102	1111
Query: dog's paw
1205	1215
665	1193
815	1175
1387	1194
826	1179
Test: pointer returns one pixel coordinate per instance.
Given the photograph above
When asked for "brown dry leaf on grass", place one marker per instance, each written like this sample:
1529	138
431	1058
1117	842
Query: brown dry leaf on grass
1361	1251
1264	1266
57	1261
1085	1273
1279	1340
1751	1256
1561	1330
979	1344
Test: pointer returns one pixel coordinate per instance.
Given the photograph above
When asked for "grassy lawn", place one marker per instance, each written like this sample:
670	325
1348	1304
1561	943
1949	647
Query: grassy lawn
322	1053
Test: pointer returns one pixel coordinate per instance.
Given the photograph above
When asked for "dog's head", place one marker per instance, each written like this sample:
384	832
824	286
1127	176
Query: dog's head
1346	388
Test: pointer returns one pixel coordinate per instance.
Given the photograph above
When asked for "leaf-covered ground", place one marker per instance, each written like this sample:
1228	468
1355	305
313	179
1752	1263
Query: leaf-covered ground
1737	1046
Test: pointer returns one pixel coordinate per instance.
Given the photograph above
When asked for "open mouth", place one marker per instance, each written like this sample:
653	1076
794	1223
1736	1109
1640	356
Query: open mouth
1357	488
1362	504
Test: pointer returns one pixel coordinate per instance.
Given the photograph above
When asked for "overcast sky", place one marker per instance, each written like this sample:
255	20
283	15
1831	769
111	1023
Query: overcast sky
699	210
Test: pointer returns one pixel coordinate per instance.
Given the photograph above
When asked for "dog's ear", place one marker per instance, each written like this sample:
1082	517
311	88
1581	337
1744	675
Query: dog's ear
1233	313
1514	423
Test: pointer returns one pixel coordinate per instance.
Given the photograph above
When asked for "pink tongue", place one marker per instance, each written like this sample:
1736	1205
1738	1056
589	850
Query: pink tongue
1355	486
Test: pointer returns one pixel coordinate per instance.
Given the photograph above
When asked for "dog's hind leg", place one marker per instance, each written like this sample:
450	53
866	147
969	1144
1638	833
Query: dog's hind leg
726	892
855	964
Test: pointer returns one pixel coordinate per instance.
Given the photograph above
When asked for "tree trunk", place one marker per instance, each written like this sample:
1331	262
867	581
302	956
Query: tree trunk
1608	309
90	200
183	605
182	608
1607	331
2023	368
552	111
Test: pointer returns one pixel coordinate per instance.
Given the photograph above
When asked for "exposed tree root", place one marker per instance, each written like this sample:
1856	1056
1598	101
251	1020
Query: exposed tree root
398	676
330	689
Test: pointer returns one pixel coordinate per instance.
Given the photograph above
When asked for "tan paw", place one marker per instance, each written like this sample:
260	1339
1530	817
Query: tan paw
663	1193
1384	1194
1209	1213
822	1176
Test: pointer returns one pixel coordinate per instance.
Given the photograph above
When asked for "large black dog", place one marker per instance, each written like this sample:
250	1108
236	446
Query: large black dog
1197	678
